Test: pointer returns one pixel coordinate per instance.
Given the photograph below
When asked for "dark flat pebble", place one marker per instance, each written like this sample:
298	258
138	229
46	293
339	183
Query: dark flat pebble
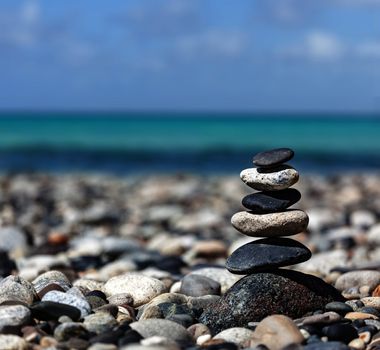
271	201
338	307
340	332
50	310
267	253
274	157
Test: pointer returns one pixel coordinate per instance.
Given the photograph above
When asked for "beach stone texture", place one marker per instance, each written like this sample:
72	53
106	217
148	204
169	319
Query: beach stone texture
356	279
141	288
274	157
197	285
13	316
267	253
163	328
69	299
16	288
277	332
287	223
271	201
276	179
12	342
257	296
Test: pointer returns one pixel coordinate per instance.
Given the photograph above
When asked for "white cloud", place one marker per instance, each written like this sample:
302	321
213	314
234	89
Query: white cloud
323	46
316	46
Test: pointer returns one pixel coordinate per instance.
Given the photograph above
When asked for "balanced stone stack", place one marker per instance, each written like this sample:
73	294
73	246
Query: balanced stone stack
267	289
269	216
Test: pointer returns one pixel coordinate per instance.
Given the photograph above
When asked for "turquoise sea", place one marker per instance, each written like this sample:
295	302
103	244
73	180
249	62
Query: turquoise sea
128	143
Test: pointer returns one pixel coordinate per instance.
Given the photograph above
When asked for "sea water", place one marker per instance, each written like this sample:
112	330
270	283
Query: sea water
129	143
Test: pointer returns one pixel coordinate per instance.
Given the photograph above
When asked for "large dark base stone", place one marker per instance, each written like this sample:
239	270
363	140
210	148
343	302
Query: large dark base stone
262	294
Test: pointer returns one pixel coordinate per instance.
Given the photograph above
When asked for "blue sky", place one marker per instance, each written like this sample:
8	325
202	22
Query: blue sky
228	55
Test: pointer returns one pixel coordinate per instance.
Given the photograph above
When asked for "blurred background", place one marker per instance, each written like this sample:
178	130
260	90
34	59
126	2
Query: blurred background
128	87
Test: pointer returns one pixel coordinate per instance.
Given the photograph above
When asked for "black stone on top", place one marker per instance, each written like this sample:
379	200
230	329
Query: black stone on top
272	158
266	254
271	201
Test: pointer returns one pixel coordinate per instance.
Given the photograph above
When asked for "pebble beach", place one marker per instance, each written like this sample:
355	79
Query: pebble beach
103	262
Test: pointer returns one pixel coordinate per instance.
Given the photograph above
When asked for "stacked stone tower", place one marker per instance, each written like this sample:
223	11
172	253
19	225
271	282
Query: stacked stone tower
268	216
267	288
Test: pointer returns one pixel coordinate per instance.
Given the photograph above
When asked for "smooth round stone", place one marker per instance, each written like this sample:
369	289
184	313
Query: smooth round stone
277	332
257	296
357	279
338	307
271	201
51	311
163	328
276	179
68	330
12	342
287	223
16	288
196	286
51	277
99	323
342	332
273	157
13	316
221	275
267	253
142	288
237	335
69	299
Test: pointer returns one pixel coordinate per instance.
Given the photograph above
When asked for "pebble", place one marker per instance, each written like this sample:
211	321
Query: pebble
142	288
12	342
50	311
13	317
121	299
238	335
265	254
357	279
16	288
12	240
357	344
68	330
276	332
99	323
319	319
276	179
286	223
255	296
372	302
220	275
273	157
197	285
338	307
7	265
341	332
163	328
271	201
51	277
69	299
355	315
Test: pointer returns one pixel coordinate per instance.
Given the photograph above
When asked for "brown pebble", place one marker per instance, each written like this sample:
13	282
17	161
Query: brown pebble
376	291
57	238
210	249
49	288
360	316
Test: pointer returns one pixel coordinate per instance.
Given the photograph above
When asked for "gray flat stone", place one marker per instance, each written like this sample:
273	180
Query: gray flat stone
287	223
